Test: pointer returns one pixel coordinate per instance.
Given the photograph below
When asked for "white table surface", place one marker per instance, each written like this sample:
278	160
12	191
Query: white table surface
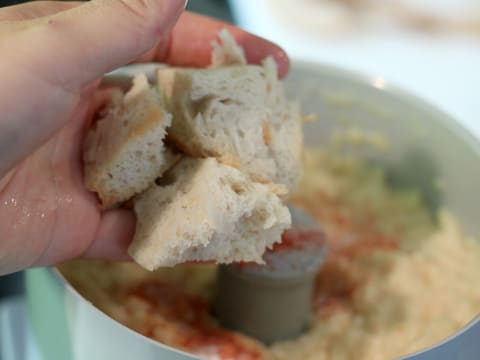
444	70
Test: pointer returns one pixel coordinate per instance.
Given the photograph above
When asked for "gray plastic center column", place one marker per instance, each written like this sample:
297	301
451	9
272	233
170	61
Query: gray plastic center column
273	302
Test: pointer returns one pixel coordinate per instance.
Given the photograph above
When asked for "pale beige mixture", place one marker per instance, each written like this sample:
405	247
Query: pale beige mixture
394	281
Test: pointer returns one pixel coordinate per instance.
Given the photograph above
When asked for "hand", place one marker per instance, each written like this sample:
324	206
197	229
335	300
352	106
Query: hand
53	55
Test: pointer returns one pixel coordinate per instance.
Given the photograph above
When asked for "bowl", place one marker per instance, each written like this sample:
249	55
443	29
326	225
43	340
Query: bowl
426	147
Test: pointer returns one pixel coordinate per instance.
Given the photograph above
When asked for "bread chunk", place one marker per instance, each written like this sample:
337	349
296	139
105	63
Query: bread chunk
226	51
239	115
202	210
124	151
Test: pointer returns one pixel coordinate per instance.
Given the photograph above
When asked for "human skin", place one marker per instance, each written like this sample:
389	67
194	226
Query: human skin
53	57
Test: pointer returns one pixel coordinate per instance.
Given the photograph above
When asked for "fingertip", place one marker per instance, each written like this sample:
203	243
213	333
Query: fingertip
257	49
113	237
283	62
190	44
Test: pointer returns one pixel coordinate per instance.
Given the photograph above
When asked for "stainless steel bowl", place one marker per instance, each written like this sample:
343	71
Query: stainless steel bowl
427	147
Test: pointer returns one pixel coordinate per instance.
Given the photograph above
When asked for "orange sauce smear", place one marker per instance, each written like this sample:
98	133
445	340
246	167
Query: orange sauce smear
197	330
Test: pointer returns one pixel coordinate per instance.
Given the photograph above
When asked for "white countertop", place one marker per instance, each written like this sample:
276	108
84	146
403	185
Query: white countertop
443	69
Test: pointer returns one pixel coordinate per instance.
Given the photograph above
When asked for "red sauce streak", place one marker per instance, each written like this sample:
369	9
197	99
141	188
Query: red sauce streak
341	275
293	239
198	331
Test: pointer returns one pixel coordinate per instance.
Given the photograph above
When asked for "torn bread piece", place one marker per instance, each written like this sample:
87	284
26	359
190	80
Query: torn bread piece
202	210
226	51
238	114
124	151
284	129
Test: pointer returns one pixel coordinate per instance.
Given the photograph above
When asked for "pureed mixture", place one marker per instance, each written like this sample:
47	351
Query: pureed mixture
394	281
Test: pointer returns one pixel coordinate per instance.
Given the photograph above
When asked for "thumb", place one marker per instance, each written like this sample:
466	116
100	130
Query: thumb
83	43
50	60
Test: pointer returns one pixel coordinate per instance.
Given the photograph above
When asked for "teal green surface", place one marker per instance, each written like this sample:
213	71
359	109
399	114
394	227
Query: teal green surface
47	314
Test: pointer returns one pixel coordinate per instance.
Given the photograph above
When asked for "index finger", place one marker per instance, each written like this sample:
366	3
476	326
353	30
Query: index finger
190	44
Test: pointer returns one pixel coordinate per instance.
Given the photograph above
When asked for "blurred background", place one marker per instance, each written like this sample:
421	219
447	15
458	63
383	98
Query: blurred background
428	47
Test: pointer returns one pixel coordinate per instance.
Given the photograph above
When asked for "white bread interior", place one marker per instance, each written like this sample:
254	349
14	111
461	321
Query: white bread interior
238	114
242	143
202	210
226	51
124	151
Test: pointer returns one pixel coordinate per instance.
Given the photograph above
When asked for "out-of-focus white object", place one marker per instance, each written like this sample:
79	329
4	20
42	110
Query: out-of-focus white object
332	17
16	338
451	8
431	55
